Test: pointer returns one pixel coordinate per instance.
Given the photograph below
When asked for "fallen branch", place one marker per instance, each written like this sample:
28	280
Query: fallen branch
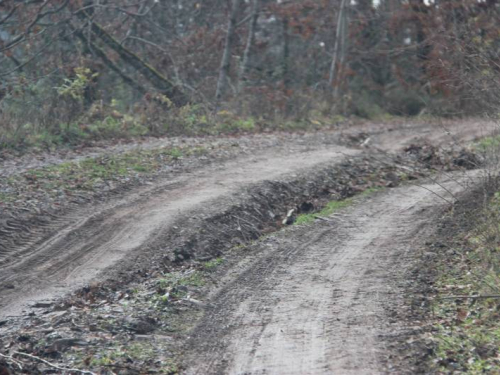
53	365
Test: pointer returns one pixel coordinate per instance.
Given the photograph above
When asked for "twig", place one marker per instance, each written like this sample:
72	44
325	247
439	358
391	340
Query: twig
9	358
465	297
433	192
52	365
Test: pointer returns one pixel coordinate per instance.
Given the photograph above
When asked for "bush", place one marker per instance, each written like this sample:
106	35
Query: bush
401	102
365	107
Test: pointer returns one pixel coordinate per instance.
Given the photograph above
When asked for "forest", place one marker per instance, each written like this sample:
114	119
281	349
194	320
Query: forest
79	70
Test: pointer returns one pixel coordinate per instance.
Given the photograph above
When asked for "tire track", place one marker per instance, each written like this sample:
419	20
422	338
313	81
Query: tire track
317	299
74	250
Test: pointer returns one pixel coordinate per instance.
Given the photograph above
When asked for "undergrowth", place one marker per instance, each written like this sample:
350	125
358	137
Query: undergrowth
102	123
466	312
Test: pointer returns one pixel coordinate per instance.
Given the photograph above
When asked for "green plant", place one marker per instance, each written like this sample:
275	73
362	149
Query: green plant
466	331
75	88
330	208
488	144
175	153
212	264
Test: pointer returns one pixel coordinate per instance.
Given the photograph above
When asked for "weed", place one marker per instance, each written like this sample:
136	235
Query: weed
6	197
135	352
212	264
467	330
175	285
175	153
488	144
195	279
332	207
92	173
371	191
305	219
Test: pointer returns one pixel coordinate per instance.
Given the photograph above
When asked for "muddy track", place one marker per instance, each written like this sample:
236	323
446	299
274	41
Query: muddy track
318	299
80	246
61	254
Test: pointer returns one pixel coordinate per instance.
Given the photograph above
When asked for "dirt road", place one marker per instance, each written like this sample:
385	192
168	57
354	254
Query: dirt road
313	300
317	299
85	244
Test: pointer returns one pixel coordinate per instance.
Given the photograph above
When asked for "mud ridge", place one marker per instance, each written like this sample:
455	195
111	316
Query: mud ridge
260	209
323	298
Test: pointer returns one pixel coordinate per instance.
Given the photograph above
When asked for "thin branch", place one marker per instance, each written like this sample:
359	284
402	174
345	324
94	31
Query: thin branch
3	20
10	359
467	297
53	365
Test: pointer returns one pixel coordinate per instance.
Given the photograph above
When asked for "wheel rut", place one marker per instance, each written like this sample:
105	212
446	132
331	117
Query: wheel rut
79	247
313	299
317	299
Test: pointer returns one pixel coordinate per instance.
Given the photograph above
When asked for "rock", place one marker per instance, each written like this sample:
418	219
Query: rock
290	217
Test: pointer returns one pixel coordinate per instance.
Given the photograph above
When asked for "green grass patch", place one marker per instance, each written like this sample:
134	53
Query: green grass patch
213	264
371	191
135	353
6	197
488	144
112	122
89	174
333	206
330	208
175	286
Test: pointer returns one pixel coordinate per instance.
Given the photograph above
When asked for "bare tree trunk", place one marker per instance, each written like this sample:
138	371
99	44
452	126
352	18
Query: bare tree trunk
286	65
153	76
226	56
343	51
248	49
110	64
338	37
